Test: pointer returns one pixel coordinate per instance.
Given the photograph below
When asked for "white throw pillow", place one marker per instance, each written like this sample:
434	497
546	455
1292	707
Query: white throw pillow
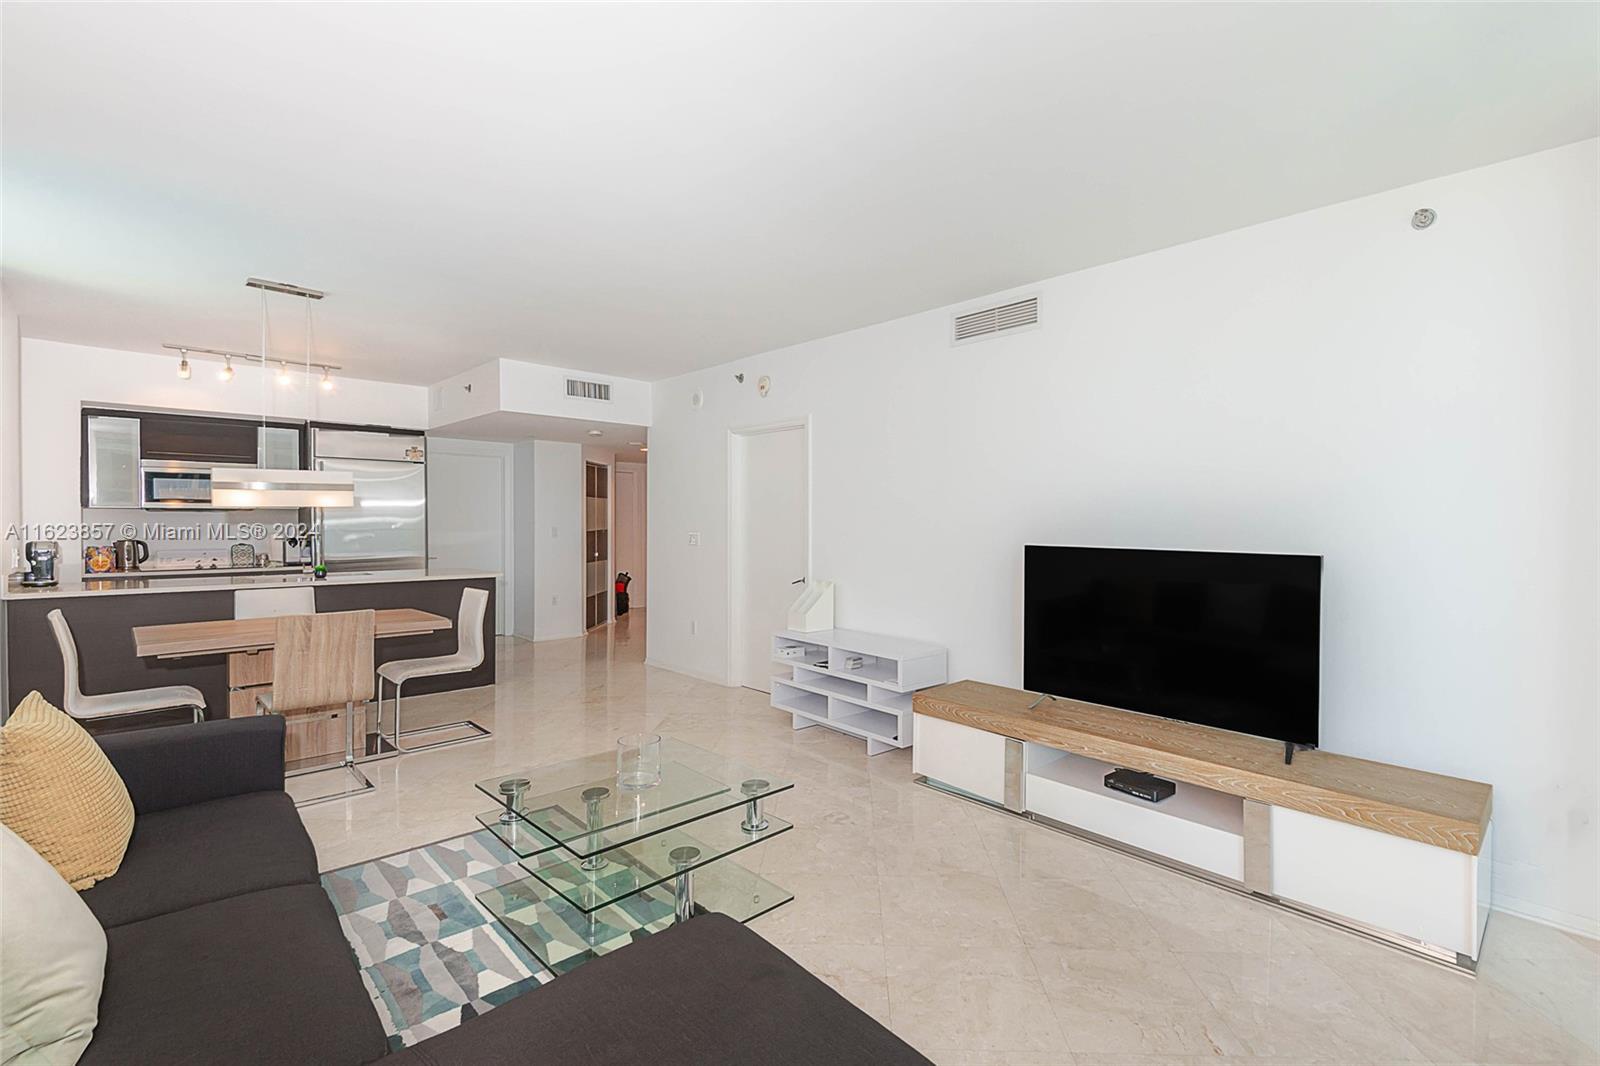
52	961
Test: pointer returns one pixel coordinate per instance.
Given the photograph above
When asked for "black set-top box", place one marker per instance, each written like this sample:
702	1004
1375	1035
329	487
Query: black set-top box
1147	787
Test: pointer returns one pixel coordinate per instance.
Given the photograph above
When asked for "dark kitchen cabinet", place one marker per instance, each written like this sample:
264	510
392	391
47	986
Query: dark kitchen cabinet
202	440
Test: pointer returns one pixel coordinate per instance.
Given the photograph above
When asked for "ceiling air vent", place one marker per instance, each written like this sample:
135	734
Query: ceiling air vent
1003	319
588	390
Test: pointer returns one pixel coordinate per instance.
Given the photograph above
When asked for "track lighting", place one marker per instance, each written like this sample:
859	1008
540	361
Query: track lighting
226	373
283	374
327	382
183	367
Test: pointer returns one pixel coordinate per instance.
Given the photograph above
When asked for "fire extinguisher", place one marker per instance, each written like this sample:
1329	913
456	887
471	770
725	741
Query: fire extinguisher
623	581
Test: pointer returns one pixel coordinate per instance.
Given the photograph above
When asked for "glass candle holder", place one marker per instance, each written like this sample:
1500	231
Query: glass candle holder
638	761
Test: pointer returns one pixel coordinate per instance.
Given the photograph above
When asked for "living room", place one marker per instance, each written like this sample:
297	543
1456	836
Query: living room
866	533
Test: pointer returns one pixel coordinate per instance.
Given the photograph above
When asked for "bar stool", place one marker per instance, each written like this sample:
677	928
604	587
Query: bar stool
468	656
115	704
319	661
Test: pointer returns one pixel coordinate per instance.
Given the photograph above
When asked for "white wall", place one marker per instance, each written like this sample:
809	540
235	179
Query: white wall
472	514
10	462
57	379
523	538
557	540
1418	407
10	427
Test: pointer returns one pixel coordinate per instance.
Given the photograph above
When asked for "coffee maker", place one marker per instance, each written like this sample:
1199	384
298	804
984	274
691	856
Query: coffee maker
42	556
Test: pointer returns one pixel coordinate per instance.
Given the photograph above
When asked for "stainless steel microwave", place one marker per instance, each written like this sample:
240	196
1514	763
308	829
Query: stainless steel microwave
168	484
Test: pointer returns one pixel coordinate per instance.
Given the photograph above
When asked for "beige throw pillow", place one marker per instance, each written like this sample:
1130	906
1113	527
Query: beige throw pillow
55	962
60	793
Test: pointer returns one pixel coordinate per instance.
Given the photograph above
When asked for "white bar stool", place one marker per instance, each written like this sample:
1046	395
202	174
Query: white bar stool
115	704
468	656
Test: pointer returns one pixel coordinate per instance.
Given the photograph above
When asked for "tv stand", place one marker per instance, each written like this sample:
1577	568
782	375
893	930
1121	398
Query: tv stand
1396	853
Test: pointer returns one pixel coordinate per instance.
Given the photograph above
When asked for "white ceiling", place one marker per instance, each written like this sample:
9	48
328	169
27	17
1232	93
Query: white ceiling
643	190
630	443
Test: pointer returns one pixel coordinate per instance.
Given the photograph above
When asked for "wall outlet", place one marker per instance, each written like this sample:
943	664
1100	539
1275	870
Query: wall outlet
554	532
694	629
555	601
694	540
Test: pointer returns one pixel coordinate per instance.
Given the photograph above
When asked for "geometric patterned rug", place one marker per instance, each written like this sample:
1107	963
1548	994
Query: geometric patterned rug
430	954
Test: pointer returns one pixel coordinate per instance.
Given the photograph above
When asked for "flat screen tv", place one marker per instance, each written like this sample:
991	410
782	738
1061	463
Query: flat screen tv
1223	639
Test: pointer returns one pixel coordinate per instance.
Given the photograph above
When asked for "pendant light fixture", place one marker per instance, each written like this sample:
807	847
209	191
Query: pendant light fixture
246	487
183	364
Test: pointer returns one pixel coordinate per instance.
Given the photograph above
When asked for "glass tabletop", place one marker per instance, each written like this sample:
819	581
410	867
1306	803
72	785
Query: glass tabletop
579	805
621	872
562	937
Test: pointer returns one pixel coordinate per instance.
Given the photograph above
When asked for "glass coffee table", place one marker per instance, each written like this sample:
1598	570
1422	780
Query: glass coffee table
608	866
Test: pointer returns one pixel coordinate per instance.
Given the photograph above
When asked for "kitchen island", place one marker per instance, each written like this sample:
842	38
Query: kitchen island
102	613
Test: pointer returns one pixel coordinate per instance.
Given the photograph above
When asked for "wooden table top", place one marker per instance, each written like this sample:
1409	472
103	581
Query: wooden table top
182	639
1447	812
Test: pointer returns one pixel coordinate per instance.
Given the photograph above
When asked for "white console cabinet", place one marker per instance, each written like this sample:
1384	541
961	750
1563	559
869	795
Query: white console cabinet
1398	853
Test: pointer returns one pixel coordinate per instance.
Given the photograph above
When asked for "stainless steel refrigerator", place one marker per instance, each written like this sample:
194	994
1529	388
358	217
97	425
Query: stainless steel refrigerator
387	529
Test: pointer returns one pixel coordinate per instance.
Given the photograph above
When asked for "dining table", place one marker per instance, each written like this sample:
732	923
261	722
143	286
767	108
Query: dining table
248	644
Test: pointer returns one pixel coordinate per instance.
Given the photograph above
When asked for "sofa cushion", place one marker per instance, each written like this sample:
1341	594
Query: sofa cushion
58	792
205	852
263	978
706	991
52	961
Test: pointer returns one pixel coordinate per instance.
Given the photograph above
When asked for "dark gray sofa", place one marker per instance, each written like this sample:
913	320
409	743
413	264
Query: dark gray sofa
224	948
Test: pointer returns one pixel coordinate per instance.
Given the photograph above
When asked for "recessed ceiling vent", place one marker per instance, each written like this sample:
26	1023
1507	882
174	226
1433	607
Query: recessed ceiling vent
991	320
588	390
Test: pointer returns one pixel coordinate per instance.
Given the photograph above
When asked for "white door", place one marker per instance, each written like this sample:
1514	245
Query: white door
467	516
630	532
769	544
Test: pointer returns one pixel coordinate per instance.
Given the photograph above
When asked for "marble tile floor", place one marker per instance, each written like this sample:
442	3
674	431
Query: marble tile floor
981	939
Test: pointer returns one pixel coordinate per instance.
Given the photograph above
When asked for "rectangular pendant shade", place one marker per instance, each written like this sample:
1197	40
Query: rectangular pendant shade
234	487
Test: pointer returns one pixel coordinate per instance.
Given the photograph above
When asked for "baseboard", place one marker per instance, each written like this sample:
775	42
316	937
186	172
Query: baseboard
546	640
1576	924
698	675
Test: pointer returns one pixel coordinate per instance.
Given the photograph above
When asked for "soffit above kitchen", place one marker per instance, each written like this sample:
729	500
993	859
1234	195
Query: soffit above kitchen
646	190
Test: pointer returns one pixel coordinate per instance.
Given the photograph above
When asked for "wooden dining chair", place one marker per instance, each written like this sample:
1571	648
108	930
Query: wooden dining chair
320	661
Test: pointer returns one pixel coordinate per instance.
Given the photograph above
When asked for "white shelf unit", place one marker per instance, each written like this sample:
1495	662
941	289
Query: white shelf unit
1195	826
871	701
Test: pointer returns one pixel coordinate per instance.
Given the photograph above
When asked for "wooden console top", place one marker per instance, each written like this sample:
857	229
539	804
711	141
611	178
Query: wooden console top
1447	812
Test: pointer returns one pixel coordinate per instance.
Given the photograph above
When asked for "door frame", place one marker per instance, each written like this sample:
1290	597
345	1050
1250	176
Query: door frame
641	520
731	533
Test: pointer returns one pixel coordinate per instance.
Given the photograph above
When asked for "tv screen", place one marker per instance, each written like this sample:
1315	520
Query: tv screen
1219	638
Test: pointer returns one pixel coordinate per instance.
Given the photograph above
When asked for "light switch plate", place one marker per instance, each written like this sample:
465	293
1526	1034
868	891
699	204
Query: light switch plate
694	540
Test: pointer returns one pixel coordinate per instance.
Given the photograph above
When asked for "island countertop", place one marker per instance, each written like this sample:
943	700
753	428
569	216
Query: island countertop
123	586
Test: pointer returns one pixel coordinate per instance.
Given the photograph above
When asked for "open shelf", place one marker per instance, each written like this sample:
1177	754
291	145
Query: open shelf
870	723
787	697
1196	826
1202	806
813	680
872	701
